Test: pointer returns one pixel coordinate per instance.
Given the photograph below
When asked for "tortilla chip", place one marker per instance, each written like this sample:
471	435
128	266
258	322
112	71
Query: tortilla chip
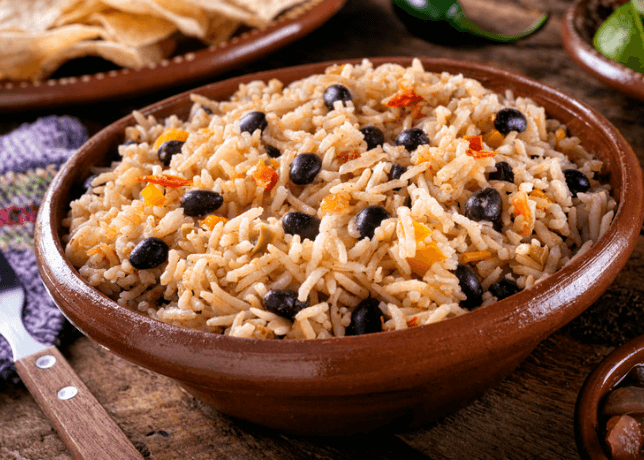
189	19
30	16
38	36
265	10
78	12
220	30
133	29
230	11
22	53
119	54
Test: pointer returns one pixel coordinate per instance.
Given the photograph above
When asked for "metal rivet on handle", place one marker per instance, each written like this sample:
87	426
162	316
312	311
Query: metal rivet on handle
45	362
67	393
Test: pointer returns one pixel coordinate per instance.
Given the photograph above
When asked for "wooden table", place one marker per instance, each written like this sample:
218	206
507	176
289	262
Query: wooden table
529	415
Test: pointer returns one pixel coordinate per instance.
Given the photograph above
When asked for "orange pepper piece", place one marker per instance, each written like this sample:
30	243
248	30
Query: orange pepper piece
521	207
348	156
424	258
265	176
152	196
476	147
334	203
420	232
170	134
406	97
494	139
166	180
211	221
475	256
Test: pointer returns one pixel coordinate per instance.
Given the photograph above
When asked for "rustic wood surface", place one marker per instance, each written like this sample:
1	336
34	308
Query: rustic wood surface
529	415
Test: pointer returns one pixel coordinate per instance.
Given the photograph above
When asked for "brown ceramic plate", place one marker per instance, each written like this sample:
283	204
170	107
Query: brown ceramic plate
180	69
580	23
602	379
359	383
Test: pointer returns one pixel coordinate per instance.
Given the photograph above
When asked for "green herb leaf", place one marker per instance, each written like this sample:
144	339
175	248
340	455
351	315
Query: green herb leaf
621	36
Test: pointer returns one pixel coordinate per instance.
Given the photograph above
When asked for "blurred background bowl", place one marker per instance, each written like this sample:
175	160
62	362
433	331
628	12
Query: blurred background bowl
578	28
589	424
349	385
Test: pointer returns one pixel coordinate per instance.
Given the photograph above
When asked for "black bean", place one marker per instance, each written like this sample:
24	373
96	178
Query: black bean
484	204
304	168
508	120
300	223
272	152
149	253
206	109
504	288
366	318
412	138
200	202
130	142
396	171
577	181
503	172
470	286
369	219
283	302
253	121
336	93
168	149
372	136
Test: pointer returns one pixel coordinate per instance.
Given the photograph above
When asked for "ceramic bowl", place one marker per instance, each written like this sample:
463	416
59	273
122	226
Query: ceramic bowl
610	371
359	383
578	28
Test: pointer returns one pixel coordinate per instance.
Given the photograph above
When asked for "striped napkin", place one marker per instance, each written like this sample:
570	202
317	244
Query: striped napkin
30	156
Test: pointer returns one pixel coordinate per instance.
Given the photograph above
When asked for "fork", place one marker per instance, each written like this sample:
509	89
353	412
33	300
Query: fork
82	423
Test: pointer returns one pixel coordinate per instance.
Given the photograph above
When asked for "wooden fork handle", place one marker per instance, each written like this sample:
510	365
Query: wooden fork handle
83	424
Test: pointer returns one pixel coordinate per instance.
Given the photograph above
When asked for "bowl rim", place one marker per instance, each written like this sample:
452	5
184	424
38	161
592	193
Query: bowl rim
616	244
608	71
605	376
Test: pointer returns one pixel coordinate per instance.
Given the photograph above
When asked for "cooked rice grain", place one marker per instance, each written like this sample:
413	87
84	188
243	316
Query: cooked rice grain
216	275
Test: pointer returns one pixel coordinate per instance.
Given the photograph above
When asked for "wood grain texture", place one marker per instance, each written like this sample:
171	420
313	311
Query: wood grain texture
529	415
87	430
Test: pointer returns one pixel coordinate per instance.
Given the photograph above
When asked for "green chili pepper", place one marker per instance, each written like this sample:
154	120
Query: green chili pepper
437	20
621	36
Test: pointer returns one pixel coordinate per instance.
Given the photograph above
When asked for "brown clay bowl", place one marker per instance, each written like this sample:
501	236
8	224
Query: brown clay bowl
610	371
352	384
580	23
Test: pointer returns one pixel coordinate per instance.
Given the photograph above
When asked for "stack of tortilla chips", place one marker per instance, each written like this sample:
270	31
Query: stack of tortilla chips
38	36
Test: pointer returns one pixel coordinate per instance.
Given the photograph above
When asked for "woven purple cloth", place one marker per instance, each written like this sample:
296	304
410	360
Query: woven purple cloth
30	156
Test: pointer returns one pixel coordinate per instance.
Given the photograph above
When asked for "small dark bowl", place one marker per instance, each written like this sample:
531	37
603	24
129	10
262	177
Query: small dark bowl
602	379
580	23
348	385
